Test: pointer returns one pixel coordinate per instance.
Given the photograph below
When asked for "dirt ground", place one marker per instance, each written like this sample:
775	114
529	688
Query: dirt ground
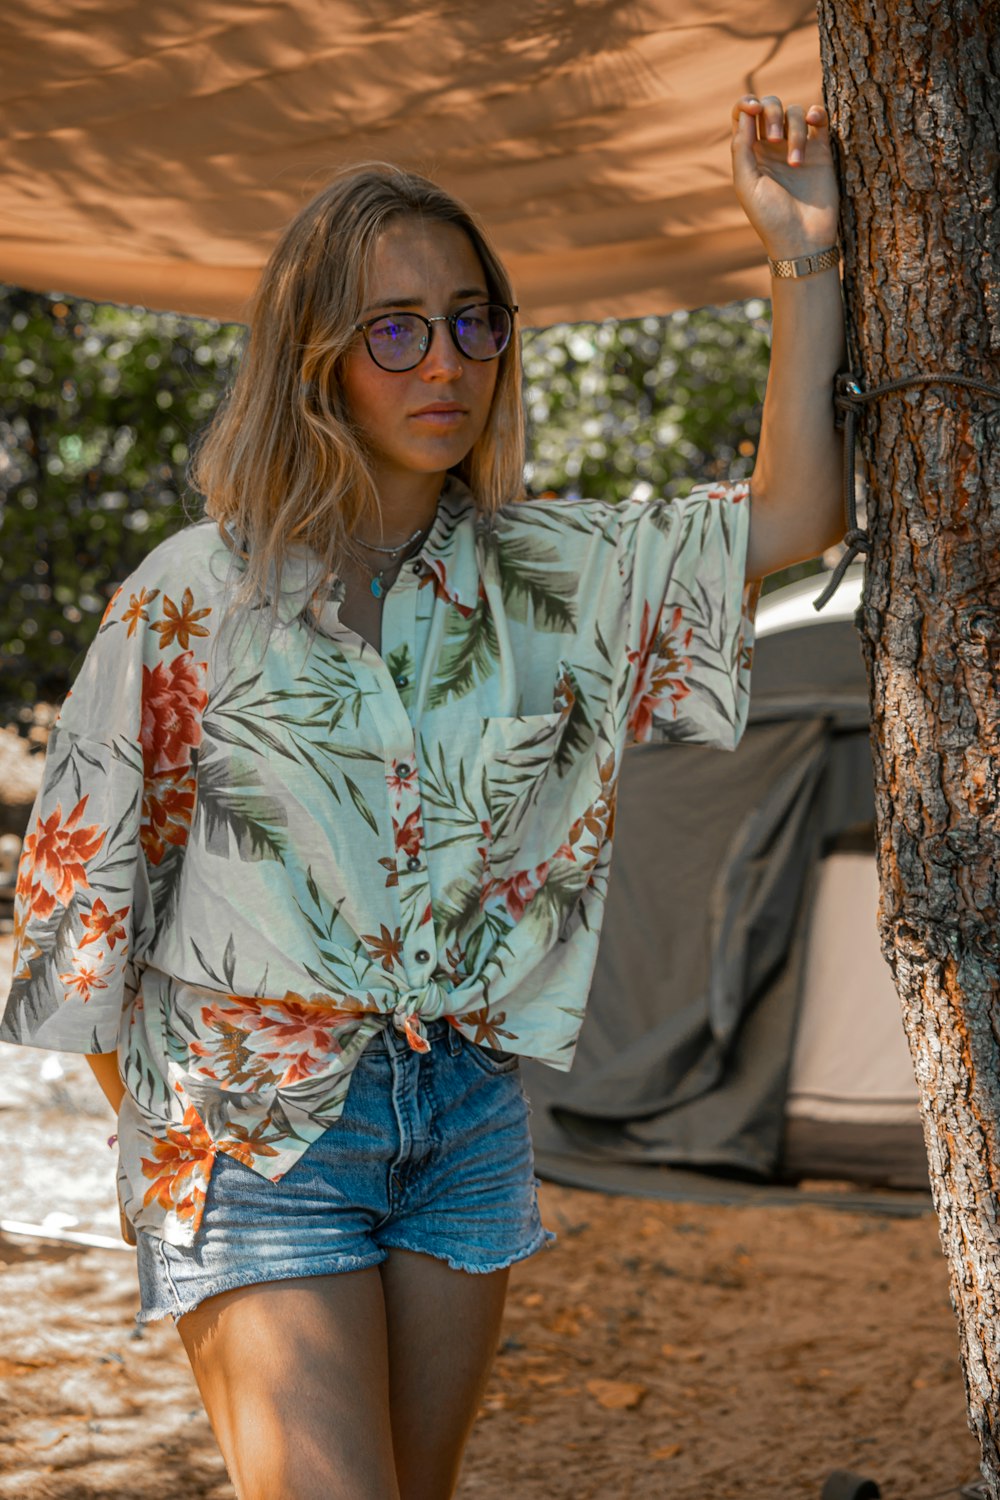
659	1350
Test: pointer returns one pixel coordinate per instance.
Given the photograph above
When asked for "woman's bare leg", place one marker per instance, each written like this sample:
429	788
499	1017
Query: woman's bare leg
443	1328
294	1377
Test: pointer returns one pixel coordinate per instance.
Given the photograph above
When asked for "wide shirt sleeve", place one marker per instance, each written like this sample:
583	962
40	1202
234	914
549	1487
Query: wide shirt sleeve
690	619
116	800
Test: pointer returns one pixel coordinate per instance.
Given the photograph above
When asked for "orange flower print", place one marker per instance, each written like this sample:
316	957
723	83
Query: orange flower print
84	980
300	1035
660	669
167	810
181	1167
517	891
235	1063
100	924
564	696
25	947
243	1144
454	959
598	821
180	624
401	778
727	491
387	948
298	1068
409	835
488	1026
173	701
436	575
109	607
54	861
137	609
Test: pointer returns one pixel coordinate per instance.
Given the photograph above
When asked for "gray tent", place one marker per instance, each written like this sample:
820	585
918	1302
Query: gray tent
742	1021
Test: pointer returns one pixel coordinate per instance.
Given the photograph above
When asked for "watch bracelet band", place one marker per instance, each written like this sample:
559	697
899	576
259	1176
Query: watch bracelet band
806	265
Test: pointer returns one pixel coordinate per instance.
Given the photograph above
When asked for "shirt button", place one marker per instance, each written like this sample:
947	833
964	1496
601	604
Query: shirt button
418	568
422	956
403	771
413	863
402	681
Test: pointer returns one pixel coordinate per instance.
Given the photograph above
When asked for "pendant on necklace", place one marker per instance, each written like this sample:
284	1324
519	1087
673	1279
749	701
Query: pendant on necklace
376	586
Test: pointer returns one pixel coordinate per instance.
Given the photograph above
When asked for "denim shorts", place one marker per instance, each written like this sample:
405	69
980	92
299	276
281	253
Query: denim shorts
432	1154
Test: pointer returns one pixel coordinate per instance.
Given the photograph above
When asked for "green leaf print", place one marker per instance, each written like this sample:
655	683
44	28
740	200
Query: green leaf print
165	885
354	791
577	732
458	911
451	802
470	656
401	667
530	579
229	809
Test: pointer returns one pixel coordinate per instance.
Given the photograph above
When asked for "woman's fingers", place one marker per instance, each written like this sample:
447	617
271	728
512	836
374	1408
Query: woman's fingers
772	119
817	120
768	120
745	111
795	129
744	142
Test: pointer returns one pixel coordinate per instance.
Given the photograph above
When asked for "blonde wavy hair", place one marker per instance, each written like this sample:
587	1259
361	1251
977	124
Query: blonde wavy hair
281	463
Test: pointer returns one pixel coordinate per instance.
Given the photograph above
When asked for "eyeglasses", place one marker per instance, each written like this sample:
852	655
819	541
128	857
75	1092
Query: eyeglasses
399	341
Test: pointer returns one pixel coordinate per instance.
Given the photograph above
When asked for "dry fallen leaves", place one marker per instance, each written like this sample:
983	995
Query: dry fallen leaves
616	1395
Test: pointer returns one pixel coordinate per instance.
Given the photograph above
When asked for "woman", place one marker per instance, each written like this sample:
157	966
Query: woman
323	842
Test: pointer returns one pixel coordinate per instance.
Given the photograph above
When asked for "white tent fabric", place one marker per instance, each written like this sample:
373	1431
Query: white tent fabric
851	1061
151	153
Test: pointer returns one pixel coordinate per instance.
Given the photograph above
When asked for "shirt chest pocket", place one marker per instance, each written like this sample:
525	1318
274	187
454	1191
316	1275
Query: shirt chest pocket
537	779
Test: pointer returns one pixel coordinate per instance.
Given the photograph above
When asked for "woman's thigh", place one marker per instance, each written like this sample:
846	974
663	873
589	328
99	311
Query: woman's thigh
295	1379
443	1328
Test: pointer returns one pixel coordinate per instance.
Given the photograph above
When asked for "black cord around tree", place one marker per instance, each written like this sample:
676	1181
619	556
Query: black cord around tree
849	401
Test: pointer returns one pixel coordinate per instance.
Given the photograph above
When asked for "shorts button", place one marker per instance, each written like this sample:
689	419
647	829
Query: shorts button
422	956
413	863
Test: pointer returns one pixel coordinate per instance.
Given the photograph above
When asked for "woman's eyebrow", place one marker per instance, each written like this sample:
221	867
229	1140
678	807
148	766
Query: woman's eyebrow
461	294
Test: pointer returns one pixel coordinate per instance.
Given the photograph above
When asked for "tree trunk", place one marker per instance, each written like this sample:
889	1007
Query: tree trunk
913	92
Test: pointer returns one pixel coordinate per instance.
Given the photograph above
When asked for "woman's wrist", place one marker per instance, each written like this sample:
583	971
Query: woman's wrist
804	263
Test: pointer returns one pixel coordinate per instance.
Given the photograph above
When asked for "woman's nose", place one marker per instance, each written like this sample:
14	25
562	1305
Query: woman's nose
442	360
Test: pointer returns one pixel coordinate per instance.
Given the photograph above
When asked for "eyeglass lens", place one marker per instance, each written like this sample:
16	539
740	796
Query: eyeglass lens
400	340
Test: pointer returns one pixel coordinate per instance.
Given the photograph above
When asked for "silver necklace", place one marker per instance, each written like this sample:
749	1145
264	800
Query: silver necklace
376	579
391	551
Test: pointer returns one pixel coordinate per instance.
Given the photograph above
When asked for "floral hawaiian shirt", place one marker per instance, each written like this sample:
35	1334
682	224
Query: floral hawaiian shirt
258	841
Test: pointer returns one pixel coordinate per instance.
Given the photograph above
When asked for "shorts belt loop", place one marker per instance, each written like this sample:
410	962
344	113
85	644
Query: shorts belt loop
454	1040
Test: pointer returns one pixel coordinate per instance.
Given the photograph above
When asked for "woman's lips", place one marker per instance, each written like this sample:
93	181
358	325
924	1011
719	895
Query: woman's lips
440	416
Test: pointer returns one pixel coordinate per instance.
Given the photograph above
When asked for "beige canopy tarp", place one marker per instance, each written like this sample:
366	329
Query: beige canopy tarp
152	152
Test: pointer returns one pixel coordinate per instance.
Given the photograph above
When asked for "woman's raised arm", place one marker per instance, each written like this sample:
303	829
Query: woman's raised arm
785	181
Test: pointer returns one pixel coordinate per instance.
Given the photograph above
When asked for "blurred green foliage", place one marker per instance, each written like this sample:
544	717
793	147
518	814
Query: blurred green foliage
649	406
100	407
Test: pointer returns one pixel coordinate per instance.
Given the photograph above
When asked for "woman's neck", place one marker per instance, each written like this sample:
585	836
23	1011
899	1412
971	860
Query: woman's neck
406	508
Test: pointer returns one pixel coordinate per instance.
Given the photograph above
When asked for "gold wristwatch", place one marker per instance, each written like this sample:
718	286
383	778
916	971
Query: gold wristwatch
806	265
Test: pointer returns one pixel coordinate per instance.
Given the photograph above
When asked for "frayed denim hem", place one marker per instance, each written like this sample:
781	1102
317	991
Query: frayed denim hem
542	1241
274	1273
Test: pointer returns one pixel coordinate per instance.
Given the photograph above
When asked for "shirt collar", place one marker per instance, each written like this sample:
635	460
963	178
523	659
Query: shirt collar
448	555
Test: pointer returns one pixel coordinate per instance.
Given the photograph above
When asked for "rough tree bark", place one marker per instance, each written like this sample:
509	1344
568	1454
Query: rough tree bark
913	88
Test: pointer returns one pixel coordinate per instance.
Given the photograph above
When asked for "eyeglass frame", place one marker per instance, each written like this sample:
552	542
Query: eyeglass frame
510	308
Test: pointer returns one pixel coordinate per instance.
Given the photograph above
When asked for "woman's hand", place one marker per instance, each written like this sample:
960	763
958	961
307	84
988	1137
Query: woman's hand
784	176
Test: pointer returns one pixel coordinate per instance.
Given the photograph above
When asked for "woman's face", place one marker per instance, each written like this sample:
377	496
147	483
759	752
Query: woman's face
419	423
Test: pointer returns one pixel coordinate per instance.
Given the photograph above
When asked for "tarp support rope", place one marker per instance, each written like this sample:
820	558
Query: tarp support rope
849	400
